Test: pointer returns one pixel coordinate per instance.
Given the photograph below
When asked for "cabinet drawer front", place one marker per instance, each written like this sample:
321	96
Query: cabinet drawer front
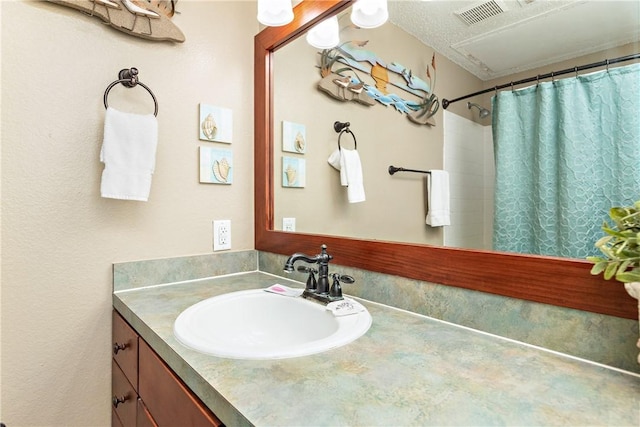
144	418
166	397
115	421
125	348
124	397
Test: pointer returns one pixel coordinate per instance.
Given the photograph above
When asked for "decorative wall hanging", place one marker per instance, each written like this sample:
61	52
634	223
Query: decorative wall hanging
294	137
293	172
148	19
216	123
216	165
346	82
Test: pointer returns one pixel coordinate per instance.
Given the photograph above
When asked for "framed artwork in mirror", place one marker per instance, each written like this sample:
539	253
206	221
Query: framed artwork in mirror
294	137
293	172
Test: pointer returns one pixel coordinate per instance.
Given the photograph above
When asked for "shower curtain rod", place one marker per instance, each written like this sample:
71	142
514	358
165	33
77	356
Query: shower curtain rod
607	62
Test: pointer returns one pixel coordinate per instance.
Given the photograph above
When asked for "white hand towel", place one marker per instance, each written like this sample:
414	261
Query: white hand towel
129	155
438	199
337	161
351	162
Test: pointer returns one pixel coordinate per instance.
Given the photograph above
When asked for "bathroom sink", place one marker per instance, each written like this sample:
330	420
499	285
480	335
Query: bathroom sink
255	324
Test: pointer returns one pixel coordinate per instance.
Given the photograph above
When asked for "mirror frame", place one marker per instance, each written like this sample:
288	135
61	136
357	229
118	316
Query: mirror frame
550	280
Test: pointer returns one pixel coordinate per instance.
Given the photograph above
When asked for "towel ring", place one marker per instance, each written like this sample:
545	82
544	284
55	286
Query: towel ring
355	143
129	78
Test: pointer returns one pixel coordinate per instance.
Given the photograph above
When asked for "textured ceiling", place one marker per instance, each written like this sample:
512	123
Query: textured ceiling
524	34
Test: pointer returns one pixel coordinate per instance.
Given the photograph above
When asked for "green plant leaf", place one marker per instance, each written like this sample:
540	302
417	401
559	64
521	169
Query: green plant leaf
598	267
610	270
624	266
630	276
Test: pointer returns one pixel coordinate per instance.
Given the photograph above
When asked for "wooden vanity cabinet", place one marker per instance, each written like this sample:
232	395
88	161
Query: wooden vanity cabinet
124	398
146	392
124	373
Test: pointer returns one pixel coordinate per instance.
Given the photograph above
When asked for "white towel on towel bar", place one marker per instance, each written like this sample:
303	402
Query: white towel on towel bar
350	167
438	213
129	155
337	161
355	189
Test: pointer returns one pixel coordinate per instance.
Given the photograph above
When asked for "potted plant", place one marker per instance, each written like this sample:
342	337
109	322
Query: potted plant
620	246
621	249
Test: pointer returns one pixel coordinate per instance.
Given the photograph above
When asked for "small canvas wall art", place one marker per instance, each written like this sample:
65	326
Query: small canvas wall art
293	172
294	138
216	165
216	123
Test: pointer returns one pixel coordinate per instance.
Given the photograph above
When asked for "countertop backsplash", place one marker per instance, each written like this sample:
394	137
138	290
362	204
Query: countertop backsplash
599	338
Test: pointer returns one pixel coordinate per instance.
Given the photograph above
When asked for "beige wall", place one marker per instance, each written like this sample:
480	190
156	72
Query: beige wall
59	236
394	209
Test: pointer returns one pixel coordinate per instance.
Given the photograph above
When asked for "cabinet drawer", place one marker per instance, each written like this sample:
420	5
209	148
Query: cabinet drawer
115	421
125	349
124	397
144	418
166	397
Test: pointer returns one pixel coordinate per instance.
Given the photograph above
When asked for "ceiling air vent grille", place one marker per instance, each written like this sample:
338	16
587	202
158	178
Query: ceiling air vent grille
480	12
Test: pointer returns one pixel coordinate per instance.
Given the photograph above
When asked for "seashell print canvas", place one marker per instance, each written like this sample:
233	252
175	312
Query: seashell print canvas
216	165
293	172
294	137
216	124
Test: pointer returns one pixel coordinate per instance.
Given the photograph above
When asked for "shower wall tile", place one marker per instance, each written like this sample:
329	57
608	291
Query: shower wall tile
465	159
604	339
489	185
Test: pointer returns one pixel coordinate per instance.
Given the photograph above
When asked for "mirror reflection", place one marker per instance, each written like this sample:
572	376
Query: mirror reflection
460	139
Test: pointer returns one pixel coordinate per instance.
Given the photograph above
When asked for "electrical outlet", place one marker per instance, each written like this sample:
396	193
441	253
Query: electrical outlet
289	224
221	235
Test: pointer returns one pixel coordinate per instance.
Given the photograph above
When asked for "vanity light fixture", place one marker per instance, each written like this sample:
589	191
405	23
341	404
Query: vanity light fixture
275	13
325	35
369	13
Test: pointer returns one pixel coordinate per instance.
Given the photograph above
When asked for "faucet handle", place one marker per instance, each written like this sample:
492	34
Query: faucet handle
336	289
346	279
312	283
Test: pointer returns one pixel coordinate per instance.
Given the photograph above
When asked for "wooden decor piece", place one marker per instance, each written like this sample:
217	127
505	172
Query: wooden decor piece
148	20
346	83
335	86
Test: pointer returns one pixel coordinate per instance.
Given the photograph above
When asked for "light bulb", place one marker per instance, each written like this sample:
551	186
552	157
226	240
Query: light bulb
369	13
325	35
275	13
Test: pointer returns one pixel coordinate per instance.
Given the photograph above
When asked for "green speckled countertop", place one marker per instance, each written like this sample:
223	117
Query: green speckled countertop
406	370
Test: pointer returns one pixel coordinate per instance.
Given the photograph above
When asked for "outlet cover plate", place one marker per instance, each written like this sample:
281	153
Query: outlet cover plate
221	235
289	224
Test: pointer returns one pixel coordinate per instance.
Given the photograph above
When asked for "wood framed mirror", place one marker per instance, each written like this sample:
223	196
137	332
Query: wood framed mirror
549	280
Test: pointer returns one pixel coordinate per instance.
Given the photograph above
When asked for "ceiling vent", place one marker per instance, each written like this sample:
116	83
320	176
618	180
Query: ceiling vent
479	12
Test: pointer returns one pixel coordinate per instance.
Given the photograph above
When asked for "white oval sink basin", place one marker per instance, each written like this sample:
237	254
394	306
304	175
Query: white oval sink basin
255	324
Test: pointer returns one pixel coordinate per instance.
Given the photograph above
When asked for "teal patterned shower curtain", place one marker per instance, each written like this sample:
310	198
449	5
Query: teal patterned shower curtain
565	152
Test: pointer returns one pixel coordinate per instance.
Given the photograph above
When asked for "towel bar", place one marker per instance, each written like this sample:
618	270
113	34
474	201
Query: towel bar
129	78
342	128
355	143
393	169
